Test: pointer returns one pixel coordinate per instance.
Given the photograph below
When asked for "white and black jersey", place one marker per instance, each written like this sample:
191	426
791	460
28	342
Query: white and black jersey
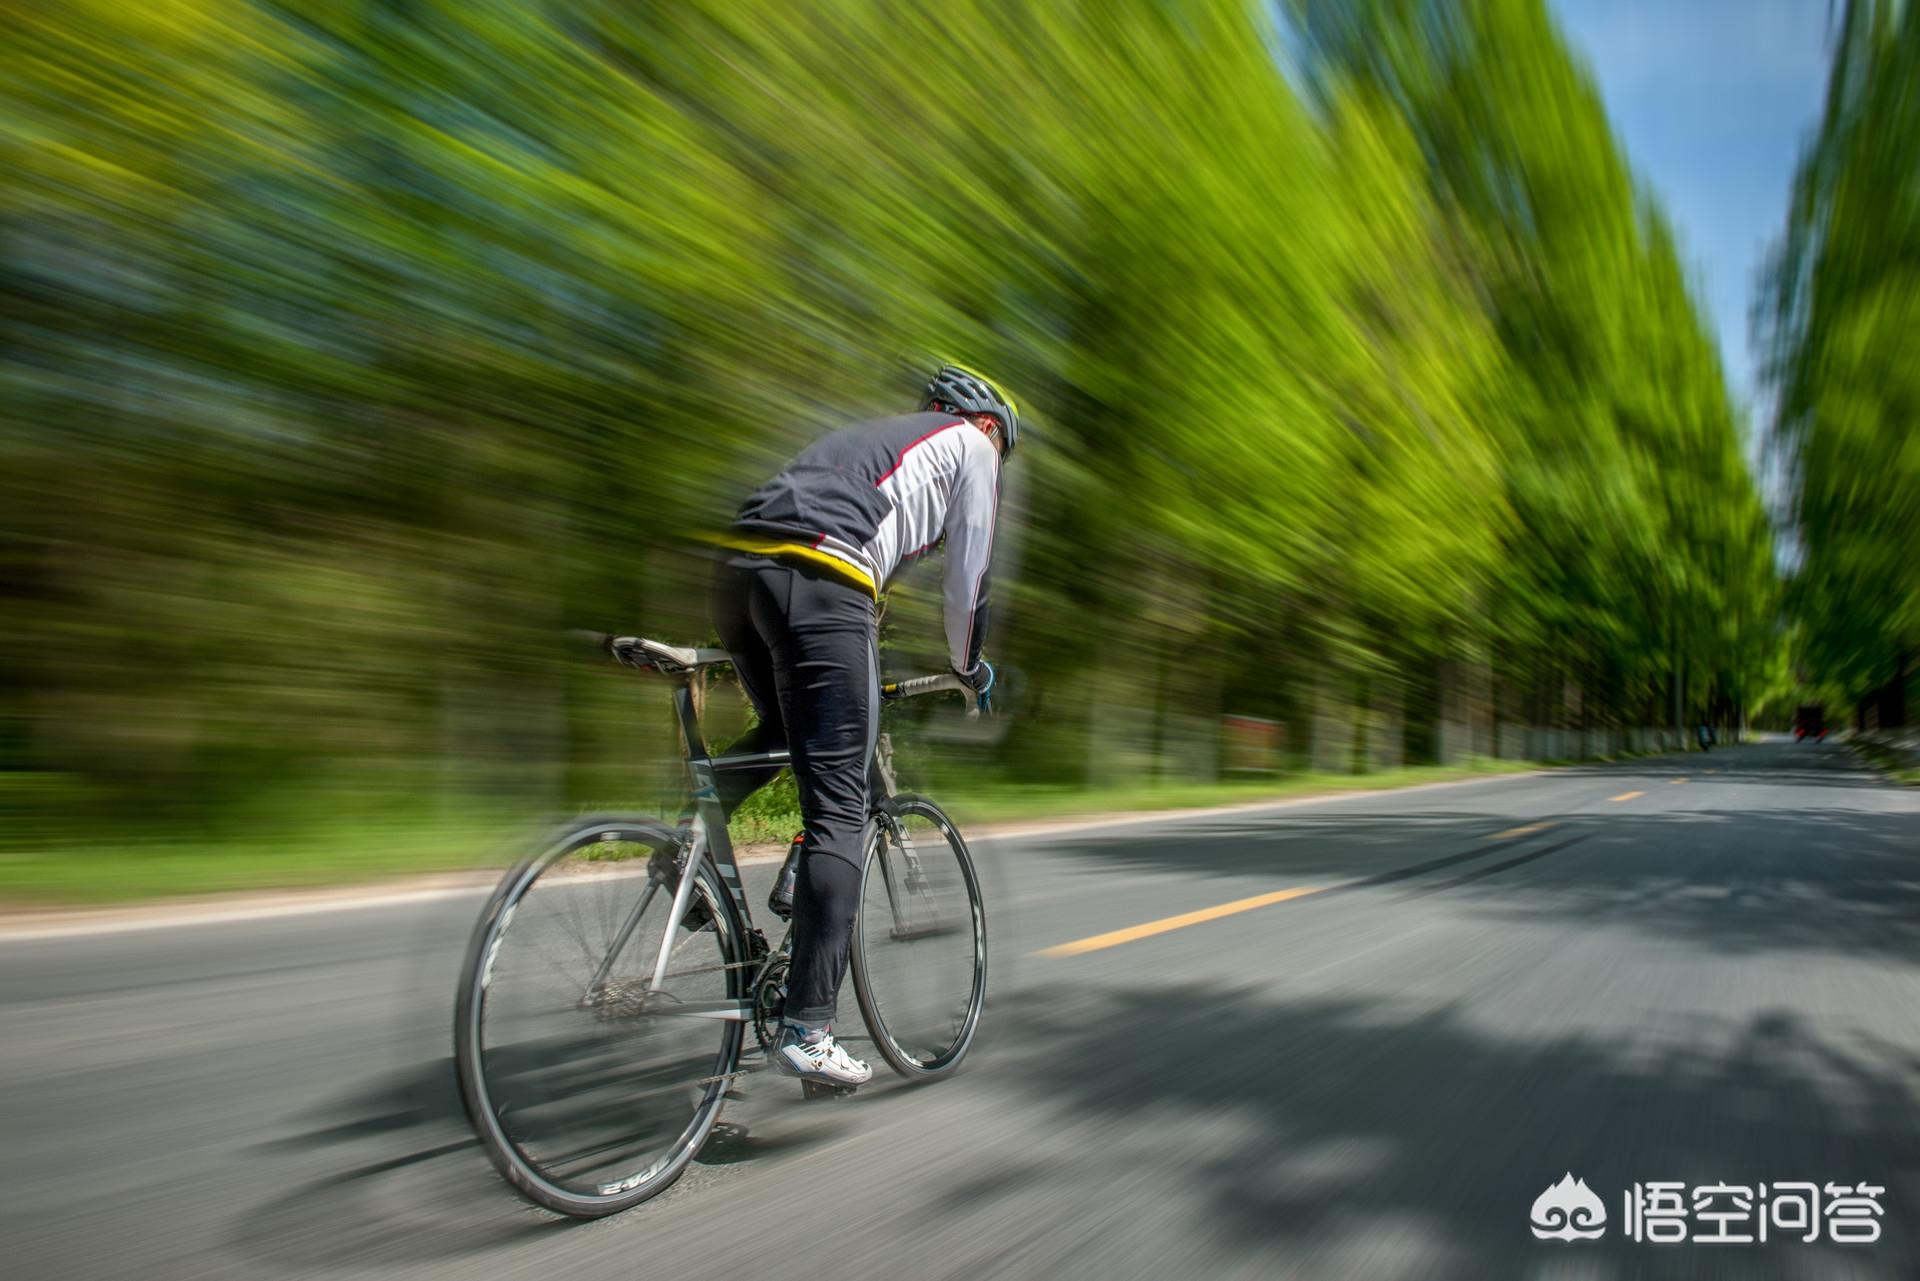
865	501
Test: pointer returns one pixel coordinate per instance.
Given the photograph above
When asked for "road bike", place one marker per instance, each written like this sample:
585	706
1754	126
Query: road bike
609	985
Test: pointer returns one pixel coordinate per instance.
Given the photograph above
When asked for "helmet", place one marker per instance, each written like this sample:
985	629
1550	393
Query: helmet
961	391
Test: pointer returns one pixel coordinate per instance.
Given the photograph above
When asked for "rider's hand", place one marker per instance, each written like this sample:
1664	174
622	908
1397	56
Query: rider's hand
980	680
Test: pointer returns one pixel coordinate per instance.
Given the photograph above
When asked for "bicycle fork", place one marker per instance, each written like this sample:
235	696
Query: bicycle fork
904	928
891	834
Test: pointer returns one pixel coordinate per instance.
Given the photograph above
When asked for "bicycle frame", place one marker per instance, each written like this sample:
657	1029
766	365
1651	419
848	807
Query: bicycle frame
712	841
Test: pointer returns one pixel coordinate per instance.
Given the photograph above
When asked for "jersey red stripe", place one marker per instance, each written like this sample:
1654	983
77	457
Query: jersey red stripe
897	462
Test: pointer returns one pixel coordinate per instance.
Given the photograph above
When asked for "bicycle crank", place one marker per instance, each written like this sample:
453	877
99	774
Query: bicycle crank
769	999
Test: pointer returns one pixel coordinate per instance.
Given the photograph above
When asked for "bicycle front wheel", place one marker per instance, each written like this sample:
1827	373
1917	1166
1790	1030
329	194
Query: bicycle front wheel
920	940
590	1086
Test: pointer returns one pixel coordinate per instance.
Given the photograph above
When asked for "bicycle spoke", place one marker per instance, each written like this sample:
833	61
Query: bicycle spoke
920	947
597	1087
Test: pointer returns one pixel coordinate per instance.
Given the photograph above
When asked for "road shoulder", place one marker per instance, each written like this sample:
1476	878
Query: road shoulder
20	924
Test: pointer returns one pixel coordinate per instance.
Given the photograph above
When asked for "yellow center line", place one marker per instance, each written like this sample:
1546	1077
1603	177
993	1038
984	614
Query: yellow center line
1626	796
1116	937
1676	781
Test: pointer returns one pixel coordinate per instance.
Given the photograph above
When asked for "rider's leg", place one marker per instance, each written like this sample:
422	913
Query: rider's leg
736	584
823	643
825	899
804	648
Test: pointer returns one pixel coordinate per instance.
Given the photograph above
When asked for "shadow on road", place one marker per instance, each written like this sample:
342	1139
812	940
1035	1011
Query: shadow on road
1289	1128
420	1190
1342	1136
1841	881
1803	875
424	1097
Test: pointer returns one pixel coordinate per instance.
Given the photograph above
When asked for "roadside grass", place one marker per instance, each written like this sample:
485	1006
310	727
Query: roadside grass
289	855
307	846
1891	761
994	801
310	848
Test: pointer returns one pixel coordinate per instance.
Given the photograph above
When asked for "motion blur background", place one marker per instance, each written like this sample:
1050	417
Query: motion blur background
355	350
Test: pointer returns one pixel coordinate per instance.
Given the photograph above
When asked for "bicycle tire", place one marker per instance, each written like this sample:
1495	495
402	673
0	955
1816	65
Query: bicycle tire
496	1082
920	1039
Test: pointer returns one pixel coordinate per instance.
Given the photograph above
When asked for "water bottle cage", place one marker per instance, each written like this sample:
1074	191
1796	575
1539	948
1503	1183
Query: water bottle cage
780	899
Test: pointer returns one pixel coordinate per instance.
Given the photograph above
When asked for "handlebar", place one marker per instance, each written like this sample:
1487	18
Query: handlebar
914	686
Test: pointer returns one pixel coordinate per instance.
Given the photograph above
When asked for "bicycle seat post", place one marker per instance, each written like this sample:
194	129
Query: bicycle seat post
703	777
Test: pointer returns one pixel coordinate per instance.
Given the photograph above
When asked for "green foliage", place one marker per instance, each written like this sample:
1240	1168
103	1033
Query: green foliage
1847	305
360	347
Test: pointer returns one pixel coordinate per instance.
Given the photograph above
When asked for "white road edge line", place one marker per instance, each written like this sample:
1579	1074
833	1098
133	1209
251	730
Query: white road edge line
84	922
1067	826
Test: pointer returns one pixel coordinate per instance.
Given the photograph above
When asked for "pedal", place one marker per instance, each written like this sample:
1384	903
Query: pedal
821	1090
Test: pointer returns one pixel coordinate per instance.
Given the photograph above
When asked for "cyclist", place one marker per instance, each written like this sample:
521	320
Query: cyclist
795	607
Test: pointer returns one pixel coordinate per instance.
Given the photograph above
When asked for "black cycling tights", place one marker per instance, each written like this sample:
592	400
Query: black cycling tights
803	646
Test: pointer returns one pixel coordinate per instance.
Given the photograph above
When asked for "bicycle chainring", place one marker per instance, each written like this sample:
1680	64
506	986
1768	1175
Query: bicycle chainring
769	998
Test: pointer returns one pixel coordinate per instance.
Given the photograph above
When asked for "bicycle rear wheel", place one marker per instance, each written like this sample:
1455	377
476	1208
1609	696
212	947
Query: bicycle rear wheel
920	940
591	1089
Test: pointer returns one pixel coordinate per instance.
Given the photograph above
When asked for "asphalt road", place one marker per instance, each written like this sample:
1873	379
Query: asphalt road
1699	969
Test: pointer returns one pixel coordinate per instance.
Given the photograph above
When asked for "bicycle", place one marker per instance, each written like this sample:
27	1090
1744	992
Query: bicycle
595	1039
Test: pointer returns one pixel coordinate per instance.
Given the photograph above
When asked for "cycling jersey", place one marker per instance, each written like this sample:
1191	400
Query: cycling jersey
865	501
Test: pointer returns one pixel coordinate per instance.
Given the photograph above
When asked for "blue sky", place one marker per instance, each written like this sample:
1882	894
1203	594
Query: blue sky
1713	100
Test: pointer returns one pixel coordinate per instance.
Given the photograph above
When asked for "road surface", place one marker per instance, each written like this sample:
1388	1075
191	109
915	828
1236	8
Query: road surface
1698	969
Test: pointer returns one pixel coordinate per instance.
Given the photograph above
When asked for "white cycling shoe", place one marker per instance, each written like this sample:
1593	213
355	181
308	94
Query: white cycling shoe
816	1057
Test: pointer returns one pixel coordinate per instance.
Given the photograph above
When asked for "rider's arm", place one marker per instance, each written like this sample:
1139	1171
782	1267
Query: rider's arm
969	549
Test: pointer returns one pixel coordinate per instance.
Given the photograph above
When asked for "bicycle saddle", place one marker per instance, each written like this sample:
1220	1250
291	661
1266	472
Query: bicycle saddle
680	658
